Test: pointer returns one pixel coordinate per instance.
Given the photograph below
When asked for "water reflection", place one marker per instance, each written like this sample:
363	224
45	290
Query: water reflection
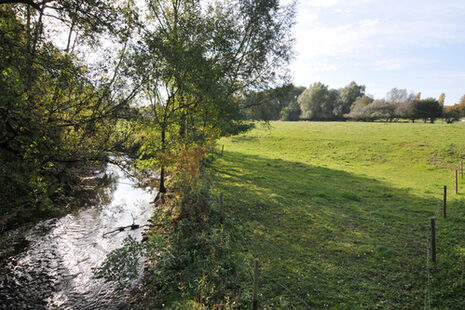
56	270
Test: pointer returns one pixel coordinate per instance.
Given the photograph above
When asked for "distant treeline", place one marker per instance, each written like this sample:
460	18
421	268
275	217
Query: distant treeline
321	103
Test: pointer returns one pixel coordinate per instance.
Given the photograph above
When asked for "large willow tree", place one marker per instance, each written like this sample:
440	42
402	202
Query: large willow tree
199	59
56	116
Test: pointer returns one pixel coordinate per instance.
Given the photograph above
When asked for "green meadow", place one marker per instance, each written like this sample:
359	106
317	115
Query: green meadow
338	213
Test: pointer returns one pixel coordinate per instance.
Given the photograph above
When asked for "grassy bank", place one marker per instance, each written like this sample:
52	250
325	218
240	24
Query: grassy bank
338	213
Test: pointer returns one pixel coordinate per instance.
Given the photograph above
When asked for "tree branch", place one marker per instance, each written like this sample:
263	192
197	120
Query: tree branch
31	3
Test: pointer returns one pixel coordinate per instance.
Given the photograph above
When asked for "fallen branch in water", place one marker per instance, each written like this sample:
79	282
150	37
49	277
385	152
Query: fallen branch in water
122	228
133	226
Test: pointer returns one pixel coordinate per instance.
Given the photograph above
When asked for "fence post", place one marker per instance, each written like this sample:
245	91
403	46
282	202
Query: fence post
445	201
221	209
255	286
456	182
433	241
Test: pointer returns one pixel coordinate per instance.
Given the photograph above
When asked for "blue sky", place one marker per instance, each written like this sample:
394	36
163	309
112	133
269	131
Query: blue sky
414	44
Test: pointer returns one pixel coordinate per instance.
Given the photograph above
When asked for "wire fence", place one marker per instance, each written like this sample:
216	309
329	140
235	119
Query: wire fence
440	211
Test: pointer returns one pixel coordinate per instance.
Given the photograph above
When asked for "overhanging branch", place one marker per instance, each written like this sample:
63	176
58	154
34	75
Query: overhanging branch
35	5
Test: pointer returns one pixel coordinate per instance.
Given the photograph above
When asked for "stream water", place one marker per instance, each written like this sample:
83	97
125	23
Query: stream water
55	270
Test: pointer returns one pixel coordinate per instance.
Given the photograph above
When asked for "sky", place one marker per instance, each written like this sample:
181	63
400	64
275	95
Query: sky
418	45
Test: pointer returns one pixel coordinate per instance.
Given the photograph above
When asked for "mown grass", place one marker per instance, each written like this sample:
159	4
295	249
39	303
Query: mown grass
338	213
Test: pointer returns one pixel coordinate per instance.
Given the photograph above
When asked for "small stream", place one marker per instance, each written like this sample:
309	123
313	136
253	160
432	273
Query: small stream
55	270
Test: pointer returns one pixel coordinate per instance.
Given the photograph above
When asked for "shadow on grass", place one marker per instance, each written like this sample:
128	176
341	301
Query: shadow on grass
328	238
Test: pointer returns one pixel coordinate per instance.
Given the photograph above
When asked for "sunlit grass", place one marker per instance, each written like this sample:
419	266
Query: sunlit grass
338	213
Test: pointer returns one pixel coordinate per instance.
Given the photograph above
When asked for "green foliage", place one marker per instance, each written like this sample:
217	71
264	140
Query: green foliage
399	104
192	261
195	62
428	108
361	109
189	68
58	121
318	102
455	112
349	95
451	114
291	112
270	104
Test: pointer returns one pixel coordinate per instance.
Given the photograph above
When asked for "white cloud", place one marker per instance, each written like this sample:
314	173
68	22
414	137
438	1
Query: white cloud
339	10
321	3
306	16
368	22
344	40
393	64
448	75
373	31
323	65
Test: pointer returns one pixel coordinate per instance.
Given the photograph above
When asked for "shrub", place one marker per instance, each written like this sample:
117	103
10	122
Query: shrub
191	263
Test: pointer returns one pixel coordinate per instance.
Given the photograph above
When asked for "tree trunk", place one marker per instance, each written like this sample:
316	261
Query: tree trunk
161	187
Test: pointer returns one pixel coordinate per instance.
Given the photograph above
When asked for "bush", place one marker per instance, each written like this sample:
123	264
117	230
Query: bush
191	263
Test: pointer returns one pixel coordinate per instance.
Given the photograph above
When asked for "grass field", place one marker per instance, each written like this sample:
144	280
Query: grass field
338	213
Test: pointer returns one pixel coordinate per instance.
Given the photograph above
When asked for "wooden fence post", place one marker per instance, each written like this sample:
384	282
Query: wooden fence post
445	201
456	182
433	241
255	286
221	209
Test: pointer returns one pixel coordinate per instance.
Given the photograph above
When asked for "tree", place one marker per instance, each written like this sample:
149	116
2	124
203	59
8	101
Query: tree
441	99
267	104
367	109
58	119
316	102
451	114
406	110
381	108
360	109
428	108
198	61
348	95
402	103
455	112
397	96
461	106
291	112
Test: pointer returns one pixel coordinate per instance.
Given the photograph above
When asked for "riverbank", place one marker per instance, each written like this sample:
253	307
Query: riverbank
81	191
15	223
